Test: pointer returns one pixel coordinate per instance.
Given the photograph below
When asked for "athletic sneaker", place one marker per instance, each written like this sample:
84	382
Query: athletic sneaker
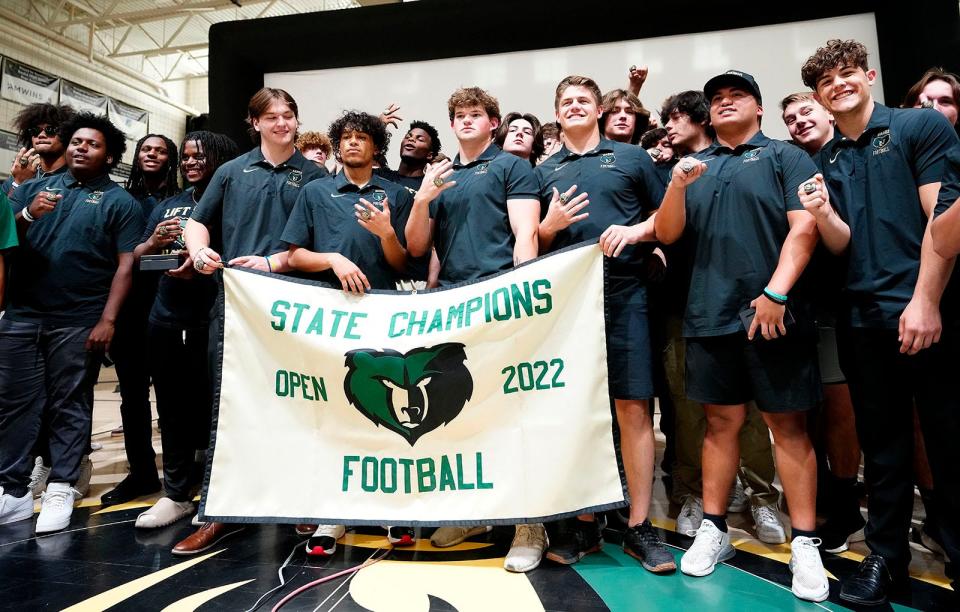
738	500
323	542
840	531
445	537
401	536
642	542
571	539
56	507
769	526
691	515
527	548
711	546
82	486
38	477
13	509
809	578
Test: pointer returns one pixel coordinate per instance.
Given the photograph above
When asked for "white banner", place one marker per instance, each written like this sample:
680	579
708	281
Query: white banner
485	403
132	121
26	85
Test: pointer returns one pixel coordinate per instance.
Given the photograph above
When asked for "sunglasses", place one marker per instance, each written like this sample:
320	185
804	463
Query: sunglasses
50	130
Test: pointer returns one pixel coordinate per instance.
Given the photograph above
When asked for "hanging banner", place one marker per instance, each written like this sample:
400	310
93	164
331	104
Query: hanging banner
134	122
26	85
83	99
486	403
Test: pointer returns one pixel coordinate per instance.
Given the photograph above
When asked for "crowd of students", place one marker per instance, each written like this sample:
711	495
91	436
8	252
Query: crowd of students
802	288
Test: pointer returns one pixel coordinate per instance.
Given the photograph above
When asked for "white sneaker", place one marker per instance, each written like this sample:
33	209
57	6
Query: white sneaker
711	546
527	548
738	500
809	578
769	526
164	512
13	509
323	543
451	536
38	477
56	506
691	515
82	486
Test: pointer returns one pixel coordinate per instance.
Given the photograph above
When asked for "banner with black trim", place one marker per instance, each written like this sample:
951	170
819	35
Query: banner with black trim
483	403
26	85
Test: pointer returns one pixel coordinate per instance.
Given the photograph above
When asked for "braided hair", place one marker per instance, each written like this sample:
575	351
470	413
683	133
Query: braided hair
136	183
217	148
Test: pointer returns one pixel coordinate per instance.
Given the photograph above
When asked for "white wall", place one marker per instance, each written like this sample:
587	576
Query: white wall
525	81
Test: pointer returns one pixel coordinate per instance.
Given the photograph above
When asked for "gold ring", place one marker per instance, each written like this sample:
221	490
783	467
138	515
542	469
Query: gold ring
365	215
24	162
563	198
438	182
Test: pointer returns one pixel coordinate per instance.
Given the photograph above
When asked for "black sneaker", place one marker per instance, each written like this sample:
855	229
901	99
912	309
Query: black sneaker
401	536
872	583
572	539
643	543
838	531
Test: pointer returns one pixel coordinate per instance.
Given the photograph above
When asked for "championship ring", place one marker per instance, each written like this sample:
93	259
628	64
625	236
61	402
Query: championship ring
365	215
809	188
688	165
438	182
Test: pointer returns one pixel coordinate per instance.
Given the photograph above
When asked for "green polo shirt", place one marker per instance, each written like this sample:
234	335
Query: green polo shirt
472	233
324	221
950	183
873	183
623	187
248	202
8	226
62	272
736	226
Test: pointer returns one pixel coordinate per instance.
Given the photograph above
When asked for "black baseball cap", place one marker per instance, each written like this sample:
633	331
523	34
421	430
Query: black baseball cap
733	78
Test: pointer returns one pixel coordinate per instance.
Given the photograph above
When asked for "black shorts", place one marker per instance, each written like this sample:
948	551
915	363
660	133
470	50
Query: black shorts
629	356
780	375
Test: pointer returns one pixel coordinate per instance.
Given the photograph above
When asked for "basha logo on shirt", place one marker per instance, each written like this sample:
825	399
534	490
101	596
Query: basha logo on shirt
94	197
881	144
481	168
608	160
751	155
294	178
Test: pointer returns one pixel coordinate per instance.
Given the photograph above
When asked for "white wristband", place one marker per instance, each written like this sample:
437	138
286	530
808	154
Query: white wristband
25	213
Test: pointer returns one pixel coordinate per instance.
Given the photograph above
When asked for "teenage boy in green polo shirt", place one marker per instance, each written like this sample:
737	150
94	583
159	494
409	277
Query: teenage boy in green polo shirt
736	202
481	212
623	188
900	340
68	280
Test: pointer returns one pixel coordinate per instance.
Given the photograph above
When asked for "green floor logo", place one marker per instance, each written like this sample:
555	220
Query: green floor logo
413	393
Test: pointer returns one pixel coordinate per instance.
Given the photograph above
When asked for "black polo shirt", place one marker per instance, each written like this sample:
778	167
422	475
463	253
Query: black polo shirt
623	187
950	183
472	233
324	221
62	272
873	183
180	303
736	226
248	202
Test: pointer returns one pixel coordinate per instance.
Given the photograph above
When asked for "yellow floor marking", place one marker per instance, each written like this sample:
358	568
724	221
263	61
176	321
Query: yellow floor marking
125	591
396	586
189	604
361	540
119	507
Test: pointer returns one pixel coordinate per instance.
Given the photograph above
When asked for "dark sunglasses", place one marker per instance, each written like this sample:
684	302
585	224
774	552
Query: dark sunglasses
50	130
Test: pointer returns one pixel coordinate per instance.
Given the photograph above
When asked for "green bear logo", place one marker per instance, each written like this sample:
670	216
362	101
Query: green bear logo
409	393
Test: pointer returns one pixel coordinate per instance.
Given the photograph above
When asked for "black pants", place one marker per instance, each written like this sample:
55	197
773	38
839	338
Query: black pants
129	351
885	385
46	376
178	364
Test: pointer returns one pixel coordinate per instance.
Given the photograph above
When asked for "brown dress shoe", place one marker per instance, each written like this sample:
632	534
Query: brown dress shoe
305	529
205	538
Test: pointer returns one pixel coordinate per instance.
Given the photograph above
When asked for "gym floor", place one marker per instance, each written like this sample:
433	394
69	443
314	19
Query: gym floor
102	562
